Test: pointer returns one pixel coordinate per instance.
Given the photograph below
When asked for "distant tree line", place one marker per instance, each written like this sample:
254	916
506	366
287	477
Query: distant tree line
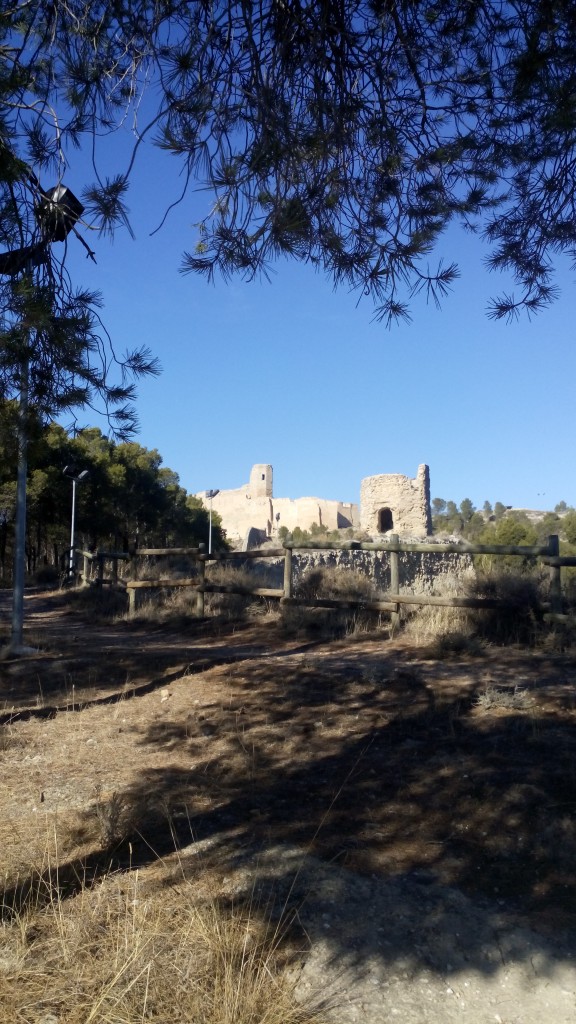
492	524
128	499
500	524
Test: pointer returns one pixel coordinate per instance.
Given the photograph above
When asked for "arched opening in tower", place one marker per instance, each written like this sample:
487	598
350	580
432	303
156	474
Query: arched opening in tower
385	520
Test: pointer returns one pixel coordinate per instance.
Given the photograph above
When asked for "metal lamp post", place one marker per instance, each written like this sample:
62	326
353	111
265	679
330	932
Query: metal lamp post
210	495
71	471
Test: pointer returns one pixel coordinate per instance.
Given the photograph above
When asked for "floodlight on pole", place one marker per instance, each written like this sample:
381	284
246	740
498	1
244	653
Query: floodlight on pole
210	495
71	471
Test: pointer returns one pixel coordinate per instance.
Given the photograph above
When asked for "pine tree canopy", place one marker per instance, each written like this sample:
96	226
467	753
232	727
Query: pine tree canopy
345	133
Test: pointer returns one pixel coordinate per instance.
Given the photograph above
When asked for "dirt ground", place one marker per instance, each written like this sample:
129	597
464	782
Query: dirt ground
417	815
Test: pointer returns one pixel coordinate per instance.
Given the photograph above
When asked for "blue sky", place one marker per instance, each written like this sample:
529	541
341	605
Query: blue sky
291	373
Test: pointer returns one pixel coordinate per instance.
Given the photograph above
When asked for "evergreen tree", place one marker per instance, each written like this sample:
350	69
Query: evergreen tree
346	134
129	498
466	509
54	352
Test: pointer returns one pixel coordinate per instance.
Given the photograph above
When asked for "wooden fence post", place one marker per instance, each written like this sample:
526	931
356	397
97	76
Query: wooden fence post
132	605
288	572
395	579
200	596
555	577
85	570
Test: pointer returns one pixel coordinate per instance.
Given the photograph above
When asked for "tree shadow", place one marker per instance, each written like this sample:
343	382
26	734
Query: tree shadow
378	793
79	663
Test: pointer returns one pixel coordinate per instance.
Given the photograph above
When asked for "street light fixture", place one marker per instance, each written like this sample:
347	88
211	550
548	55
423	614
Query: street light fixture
71	471
210	495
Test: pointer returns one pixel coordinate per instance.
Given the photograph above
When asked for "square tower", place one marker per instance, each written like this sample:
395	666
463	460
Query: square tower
260	485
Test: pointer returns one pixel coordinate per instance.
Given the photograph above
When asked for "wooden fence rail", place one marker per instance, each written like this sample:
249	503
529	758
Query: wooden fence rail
390	602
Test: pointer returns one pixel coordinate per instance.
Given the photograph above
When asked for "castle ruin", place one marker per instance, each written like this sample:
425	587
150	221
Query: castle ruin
388	503
392	502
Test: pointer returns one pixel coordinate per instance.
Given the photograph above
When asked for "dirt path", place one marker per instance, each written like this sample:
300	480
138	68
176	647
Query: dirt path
407	949
423	835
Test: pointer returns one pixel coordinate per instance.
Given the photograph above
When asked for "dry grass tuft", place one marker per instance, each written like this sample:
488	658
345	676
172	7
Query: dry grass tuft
455	631
430	623
518	620
494	698
329	583
118	954
443	632
101	603
332	582
560	637
455	644
228	606
169	607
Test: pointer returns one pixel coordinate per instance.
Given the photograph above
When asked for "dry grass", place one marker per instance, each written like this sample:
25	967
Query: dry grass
177	606
430	623
163	567
101	603
518	620
166	607
442	632
456	631
366	754
559	637
329	583
515	699
124	951
333	582
229	606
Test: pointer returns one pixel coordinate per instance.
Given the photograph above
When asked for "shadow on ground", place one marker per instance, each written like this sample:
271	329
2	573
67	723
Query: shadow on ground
84	660
399	778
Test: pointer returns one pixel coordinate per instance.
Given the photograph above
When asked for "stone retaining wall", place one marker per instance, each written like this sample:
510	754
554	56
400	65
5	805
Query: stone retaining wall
433	573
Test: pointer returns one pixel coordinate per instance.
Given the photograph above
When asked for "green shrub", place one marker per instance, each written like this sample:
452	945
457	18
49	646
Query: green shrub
511	530
569	526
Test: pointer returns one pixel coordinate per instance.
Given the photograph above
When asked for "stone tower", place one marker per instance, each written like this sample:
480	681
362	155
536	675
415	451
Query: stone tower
260	485
397	504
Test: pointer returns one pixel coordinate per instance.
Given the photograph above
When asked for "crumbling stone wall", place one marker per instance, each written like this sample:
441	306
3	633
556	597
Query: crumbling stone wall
420	573
392	503
435	573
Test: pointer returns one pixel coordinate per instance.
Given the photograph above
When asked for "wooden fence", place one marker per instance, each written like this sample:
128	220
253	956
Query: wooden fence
391	601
